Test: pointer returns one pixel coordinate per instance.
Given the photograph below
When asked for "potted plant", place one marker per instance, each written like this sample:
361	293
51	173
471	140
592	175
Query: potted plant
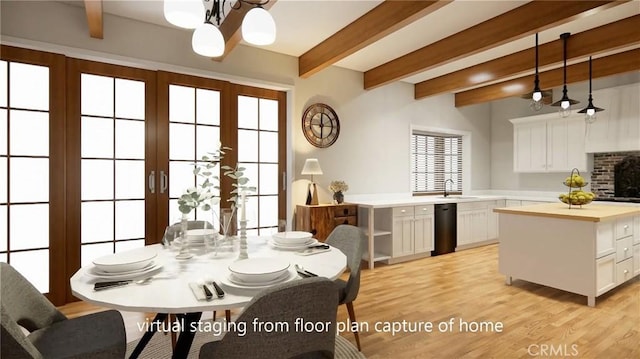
338	187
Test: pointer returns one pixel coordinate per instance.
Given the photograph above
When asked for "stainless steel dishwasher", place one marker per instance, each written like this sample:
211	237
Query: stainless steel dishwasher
445	228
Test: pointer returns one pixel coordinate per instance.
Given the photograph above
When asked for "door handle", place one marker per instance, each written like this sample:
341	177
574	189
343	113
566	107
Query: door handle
152	182
163	182
284	181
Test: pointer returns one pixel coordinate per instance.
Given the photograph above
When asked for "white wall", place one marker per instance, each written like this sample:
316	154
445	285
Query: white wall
502	175
372	152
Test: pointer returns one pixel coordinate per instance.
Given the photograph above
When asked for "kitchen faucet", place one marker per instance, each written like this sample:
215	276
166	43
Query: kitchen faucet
446	194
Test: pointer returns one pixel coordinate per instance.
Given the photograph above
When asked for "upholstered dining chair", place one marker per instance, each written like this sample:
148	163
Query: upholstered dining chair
51	334
350	240
312	300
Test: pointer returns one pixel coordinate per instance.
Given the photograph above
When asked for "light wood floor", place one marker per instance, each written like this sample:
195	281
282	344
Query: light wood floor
467	286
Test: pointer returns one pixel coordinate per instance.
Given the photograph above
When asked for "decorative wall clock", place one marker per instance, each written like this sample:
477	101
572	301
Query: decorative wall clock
320	125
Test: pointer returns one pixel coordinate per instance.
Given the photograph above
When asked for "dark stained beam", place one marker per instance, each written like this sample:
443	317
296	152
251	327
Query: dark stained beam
592	42
515	24
382	20
230	27
626	61
93	9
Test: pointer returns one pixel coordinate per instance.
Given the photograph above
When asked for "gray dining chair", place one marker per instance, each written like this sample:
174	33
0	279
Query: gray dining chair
313	300
50	333
350	240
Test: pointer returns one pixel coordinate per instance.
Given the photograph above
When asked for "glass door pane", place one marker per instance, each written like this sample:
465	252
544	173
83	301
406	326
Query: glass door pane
24	170
112	149
258	152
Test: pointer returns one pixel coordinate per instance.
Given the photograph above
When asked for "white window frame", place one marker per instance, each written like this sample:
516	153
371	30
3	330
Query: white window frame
466	153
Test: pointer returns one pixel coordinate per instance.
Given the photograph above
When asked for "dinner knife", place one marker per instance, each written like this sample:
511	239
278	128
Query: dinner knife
219	291
106	285
207	292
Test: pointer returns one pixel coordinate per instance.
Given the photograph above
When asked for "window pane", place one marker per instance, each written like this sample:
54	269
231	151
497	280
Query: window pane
4	222
97	137
130	99
174	214
130	179
269	147
29	226
128	245
97	179
27	177
268	115
97	222
247	112
29	133
252	212
247	146
129	219
208	107
251	172
130	139
3	257
4	132
208	140
33	265
181	104
3	83
89	252
96	95
29	86
268	179
3	181
181	142
180	178
268	211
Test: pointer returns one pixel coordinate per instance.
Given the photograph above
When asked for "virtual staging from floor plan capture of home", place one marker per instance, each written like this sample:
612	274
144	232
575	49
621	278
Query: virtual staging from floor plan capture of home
320	179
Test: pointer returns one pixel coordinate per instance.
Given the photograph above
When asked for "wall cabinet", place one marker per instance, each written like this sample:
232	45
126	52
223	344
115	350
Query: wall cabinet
322	219
547	143
617	128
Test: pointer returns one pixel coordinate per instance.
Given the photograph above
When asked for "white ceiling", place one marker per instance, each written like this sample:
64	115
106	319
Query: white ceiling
302	24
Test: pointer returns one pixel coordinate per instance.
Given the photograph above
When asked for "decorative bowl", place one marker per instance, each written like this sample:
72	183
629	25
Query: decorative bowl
259	270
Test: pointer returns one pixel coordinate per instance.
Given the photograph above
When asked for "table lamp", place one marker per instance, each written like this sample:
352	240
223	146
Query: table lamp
312	167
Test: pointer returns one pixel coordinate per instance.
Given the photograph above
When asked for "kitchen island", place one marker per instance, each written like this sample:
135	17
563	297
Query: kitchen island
588	250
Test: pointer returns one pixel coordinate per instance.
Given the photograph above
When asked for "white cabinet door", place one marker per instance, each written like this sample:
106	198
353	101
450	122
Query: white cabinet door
530	142
479	226
492	219
423	232
463	227
402	236
557	145
628	118
636	260
605	273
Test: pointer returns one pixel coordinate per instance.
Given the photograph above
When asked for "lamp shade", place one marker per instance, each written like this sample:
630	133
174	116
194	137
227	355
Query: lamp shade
208	41
184	13
258	27
311	167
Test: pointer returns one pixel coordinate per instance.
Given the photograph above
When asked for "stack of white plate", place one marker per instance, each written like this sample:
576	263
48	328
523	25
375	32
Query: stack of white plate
196	237
125	265
259	272
295	240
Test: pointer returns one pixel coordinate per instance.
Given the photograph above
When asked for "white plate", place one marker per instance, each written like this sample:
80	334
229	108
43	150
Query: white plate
125	261
294	237
259	270
308	242
143	273
236	283
298	247
98	271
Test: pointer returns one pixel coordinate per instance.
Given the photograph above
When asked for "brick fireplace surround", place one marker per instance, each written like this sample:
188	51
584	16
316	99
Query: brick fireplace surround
602	176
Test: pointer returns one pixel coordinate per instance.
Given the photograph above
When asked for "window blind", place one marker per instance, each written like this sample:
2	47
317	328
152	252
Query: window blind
436	158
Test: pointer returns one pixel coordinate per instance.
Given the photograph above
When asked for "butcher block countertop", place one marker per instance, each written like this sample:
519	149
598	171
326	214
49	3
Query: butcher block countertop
591	212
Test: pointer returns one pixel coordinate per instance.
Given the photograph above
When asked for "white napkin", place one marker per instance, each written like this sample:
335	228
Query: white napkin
196	288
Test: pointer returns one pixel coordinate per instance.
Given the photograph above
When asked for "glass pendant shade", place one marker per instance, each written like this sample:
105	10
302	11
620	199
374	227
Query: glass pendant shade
184	13
258	27
208	41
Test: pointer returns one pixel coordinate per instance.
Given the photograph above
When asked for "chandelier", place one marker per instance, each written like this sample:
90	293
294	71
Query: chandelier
258	27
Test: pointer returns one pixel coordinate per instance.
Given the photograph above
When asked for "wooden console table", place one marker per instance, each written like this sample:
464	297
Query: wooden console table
323	218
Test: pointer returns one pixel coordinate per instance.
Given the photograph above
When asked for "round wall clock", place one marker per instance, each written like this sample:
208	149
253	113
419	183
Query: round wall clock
320	125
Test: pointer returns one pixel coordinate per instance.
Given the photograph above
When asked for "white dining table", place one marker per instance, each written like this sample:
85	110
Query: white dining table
168	292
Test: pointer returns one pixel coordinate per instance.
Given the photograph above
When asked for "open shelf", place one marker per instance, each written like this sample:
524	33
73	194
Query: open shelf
376	232
377	257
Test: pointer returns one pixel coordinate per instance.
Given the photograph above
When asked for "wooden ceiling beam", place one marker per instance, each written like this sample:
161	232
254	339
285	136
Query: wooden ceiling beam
381	21
93	10
517	23
231	27
592	42
626	61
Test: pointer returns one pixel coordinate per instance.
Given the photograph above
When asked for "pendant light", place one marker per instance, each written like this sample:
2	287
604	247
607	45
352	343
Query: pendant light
184	13
536	96
565	102
590	110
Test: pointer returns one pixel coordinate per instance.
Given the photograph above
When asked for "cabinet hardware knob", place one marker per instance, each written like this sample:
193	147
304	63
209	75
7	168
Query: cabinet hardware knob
626	226
626	271
402	211
626	249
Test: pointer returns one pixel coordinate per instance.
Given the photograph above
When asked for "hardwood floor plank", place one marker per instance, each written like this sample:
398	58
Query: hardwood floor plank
467	286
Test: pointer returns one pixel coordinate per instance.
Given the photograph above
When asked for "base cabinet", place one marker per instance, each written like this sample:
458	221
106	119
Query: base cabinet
606	273
412	232
476	222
